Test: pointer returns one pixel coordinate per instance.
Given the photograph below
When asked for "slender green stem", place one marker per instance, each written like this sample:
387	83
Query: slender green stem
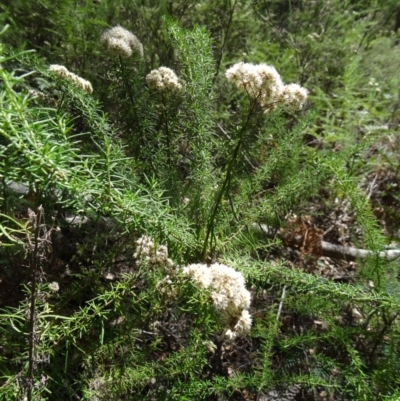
61	102
166	125
5	198
132	112
33	265
108	165
126	83
226	35
225	184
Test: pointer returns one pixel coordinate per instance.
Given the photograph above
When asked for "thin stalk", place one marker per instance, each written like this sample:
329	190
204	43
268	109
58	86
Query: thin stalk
127	86
108	165
167	136
281	303
225	184
226	35
132	111
3	181
60	103
33	266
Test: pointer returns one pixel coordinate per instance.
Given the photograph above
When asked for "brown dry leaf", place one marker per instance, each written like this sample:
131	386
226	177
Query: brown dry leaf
302	234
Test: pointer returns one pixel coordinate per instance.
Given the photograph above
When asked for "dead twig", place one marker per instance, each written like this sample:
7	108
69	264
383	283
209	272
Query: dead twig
281	303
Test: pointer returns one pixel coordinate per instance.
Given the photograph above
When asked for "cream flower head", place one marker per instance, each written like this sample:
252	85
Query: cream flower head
121	42
63	72
54	286
199	273
263	82
229	294
147	253
293	96
163	79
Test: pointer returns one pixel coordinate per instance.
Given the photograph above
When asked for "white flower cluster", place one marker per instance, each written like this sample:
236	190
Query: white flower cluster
63	72
54	286
167	287
263	82
149	254
163	79
36	94
241	327
121	42
155	257
229	294
199	273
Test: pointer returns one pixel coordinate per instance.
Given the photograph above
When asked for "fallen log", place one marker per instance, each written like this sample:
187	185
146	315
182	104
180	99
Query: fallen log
335	251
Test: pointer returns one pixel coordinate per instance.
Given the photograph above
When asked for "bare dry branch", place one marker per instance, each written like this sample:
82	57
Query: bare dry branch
336	251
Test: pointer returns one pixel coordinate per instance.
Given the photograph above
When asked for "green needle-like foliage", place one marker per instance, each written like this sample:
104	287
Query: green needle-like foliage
171	175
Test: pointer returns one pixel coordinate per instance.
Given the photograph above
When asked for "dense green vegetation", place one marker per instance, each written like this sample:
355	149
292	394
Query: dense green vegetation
149	215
